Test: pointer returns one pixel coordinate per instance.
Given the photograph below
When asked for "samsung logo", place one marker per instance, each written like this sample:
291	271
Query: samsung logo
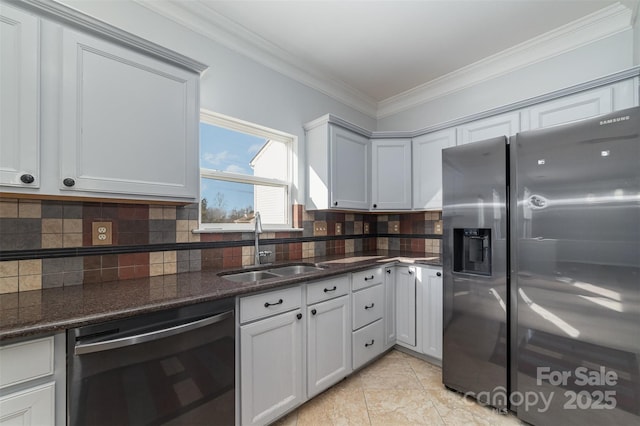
614	120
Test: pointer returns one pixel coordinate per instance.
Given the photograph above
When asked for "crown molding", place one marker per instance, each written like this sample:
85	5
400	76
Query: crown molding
205	21
633	72
196	16
596	26
79	20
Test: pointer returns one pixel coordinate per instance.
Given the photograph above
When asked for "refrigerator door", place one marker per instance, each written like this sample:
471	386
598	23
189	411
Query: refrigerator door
576	266
475	296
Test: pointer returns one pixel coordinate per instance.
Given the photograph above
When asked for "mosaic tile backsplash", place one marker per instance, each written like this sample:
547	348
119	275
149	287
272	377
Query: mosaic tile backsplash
42	226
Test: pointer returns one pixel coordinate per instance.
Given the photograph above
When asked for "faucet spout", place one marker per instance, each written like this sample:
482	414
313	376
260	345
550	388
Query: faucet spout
257	231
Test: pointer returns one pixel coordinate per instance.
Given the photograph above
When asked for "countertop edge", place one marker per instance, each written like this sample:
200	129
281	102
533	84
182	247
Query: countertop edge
44	327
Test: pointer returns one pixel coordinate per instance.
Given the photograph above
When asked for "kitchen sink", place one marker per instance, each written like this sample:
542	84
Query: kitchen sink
275	272
243	277
287	271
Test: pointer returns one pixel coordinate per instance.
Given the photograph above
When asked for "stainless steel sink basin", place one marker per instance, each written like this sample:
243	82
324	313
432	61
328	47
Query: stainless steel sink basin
287	271
275	272
243	277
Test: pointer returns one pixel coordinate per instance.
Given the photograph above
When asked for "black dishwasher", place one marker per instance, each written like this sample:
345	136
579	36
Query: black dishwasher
173	367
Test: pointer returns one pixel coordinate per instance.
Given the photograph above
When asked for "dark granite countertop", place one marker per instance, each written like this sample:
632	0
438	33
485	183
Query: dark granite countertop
45	311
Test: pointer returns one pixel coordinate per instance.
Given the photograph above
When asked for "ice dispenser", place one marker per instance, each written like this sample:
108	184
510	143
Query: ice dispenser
472	250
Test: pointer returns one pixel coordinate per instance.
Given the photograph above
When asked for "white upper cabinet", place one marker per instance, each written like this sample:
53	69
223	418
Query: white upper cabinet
427	168
94	111
337	167
580	106
19	99
498	125
129	122
391	174
349	169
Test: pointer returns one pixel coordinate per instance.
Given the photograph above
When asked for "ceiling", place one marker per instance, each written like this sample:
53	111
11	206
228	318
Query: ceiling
375	52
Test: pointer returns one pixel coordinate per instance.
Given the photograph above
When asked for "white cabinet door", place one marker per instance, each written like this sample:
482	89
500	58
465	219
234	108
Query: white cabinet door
19	99
32	407
391	174
430	311
129	122
349	169
389	307
499	125
570	108
271	367
329	344
427	168
406	306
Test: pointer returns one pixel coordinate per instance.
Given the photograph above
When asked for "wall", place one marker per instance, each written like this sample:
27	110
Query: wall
586	63
47	244
636	40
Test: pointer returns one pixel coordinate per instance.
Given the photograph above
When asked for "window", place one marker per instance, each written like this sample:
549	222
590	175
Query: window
244	168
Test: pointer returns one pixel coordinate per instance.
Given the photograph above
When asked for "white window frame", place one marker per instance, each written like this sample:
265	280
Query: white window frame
220	120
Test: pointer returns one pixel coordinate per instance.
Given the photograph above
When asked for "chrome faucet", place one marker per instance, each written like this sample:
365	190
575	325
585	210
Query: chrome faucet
257	231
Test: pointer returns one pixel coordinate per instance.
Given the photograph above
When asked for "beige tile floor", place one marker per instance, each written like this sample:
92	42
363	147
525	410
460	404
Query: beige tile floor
398	389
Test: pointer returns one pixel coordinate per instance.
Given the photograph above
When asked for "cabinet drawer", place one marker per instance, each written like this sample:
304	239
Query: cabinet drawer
367	343
327	289
366	278
266	304
26	361
368	305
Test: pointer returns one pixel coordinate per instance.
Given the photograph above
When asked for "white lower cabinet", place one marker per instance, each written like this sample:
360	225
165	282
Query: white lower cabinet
367	343
406	306
328	344
271	367
368	315
32	381
34	406
271	354
389	307
430	311
314	335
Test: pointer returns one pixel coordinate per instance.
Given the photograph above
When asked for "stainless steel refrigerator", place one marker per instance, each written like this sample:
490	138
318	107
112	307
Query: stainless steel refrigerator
541	266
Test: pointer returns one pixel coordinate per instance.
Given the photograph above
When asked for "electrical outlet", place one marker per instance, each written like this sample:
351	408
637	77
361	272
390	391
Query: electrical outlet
366	228
320	228
438	227
102	233
395	227
338	228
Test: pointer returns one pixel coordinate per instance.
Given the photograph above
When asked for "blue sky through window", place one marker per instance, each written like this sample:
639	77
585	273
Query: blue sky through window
229	151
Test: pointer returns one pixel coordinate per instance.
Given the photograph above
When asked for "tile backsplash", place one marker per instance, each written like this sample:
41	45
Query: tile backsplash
50	240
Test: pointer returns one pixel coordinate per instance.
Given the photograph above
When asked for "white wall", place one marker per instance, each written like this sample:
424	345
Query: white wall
595	60
233	85
636	42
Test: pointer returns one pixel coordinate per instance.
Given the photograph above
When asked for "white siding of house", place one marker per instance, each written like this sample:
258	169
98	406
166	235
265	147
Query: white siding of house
271	202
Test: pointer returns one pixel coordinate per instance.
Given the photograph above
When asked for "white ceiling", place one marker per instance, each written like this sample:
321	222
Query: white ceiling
375	52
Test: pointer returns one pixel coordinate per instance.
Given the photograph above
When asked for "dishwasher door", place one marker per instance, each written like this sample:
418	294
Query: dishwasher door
174	367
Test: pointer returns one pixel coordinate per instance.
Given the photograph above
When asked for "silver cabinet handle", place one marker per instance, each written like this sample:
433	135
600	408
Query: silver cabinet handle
150	336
